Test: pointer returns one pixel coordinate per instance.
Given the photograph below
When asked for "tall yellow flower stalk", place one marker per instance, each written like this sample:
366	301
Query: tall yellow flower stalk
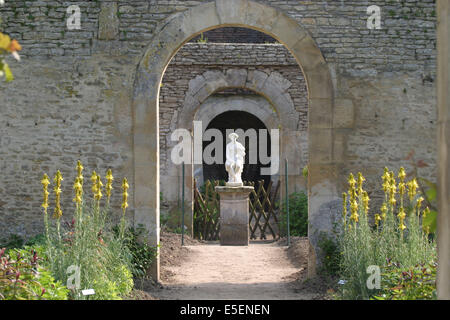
78	186
353	203
45	182
109	181
96	187
125	187
58	178
392	190
401	191
58	212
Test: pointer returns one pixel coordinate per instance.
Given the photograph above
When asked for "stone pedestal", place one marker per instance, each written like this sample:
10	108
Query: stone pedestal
234	215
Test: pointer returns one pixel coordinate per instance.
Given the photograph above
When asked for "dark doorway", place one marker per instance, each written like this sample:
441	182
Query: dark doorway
237	120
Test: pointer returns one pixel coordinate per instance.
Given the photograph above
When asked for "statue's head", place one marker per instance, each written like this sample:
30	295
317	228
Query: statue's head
233	136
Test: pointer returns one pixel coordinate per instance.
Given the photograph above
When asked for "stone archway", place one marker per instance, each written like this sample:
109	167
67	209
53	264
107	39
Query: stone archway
276	109
179	28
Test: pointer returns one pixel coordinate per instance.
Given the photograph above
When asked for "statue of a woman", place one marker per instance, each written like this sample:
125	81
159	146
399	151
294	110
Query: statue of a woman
234	164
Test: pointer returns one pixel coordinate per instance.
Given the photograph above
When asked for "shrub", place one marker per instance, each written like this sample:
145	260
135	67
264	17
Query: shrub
13	241
142	255
23	278
397	234
413	283
298	215
330	255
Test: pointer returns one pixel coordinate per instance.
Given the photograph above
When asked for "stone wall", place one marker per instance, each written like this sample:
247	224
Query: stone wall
72	95
195	59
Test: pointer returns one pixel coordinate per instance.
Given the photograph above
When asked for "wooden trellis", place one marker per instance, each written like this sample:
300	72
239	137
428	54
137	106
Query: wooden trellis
263	220
262	211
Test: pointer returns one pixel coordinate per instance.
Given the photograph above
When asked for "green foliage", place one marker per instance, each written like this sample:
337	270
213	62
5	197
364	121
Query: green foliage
37	240
202	39
330	255
298	215
430	194
413	283
23	278
142	255
13	241
88	242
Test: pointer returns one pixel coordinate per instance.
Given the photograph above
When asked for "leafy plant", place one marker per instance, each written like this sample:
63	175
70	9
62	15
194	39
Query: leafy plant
142	254
429	191
395	235
413	283
87	243
202	39
13	241
298	215
23	278
330	253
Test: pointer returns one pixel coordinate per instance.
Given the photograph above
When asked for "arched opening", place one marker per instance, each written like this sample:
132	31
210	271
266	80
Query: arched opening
251	125
178	29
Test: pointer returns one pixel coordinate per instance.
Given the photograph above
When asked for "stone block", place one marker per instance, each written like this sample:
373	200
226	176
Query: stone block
234	215
108	21
288	31
344	113
320	114
232	11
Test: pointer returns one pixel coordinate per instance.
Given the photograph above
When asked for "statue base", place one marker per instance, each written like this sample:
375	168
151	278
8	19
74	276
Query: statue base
234	184
234	215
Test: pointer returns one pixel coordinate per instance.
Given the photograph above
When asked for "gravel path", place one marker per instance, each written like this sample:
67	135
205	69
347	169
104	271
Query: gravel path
256	272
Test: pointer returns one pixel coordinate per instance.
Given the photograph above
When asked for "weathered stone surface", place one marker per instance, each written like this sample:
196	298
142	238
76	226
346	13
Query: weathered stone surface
234	215
108	21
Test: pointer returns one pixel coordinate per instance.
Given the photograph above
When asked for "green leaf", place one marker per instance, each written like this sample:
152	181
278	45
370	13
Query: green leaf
430	221
431	194
8	74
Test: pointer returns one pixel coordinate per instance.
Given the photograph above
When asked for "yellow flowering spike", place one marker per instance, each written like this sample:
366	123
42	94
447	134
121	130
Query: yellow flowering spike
401	214
352	184
125	187
80	172
377	219
98	195
45	182
351	180
402	226
94	183
383	211
366	200
58	178
419	202
109	181
354	210
78	191
401	188
402	174
361	180
412	188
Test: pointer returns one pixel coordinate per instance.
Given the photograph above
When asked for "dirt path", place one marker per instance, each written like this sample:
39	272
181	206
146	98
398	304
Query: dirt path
211	271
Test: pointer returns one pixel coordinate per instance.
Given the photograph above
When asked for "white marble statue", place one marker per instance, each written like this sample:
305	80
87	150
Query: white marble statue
234	164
